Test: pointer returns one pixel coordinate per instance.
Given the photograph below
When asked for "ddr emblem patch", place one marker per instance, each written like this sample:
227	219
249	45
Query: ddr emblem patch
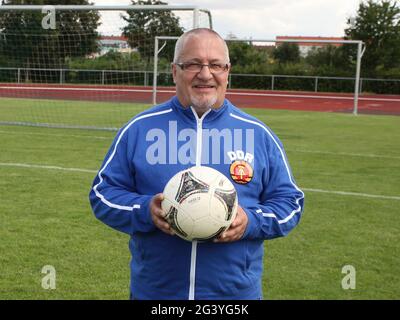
241	171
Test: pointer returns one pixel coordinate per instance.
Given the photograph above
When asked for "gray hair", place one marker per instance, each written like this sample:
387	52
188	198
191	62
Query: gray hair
182	39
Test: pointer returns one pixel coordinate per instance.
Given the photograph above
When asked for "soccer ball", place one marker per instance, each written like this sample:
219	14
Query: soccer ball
199	203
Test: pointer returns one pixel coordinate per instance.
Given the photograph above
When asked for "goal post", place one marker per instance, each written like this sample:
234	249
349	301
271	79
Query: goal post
82	66
45	8
359	45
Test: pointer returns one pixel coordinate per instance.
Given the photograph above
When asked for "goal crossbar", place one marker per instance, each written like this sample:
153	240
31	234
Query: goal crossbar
99	7
196	9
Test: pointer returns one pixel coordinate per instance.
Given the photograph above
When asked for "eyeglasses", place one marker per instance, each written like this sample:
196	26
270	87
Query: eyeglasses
214	68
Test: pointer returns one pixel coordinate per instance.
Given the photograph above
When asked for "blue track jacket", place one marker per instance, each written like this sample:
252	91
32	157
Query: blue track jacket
154	146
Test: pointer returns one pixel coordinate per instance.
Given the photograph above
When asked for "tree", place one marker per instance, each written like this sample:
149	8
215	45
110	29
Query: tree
25	43
287	52
329	60
245	54
378	25
144	26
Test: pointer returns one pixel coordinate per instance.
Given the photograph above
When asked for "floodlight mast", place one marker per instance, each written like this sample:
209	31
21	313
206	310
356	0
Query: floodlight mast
360	52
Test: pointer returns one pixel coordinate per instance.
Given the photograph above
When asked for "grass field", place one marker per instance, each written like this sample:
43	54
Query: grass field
348	166
67	113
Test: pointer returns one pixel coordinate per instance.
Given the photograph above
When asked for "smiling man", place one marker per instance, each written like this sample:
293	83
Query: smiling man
200	70
197	127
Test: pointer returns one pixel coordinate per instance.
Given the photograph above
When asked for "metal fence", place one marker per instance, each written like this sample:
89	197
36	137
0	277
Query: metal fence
236	80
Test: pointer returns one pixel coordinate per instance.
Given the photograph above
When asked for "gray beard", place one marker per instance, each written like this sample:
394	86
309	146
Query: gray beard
203	105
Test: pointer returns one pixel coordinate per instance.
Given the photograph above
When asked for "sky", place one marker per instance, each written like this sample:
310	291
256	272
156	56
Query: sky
266	19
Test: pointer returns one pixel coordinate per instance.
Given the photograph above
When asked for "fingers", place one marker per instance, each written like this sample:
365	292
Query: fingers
233	233
158	215
158	198
229	235
236	229
164	226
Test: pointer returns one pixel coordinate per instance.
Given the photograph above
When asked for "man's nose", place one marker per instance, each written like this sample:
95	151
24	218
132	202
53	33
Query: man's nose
205	73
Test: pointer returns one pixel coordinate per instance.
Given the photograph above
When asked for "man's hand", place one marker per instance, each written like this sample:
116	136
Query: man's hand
157	214
236	229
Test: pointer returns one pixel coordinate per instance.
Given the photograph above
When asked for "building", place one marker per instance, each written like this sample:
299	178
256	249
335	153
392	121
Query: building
114	43
305	47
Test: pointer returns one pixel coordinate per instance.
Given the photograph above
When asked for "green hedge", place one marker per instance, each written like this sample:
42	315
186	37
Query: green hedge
262	79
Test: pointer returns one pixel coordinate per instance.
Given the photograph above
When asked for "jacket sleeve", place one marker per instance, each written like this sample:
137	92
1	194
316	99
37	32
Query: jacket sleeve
113	196
281	202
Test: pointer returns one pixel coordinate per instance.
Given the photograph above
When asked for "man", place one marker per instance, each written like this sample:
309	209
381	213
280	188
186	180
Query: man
196	127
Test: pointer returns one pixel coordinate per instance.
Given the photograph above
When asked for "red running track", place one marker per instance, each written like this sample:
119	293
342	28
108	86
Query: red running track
288	100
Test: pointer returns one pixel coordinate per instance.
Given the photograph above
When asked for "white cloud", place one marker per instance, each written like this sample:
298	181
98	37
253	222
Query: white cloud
269	18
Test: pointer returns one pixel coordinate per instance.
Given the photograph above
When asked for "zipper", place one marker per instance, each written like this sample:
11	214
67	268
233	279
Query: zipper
199	145
199	131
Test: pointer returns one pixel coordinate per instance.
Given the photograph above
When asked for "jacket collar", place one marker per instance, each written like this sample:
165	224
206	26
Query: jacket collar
188	113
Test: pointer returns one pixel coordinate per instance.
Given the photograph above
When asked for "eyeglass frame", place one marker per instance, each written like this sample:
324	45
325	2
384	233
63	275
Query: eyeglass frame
183	65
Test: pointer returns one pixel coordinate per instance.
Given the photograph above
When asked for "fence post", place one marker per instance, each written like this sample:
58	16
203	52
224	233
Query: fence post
316	84
146	81
19	75
102	76
272	82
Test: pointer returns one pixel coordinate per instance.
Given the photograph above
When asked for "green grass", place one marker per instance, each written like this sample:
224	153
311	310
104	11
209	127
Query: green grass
45	217
67	112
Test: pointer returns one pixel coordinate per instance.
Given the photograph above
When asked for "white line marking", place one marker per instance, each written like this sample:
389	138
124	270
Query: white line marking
29	133
308	96
228	93
77	89
344	193
37	166
85	89
356	194
366	155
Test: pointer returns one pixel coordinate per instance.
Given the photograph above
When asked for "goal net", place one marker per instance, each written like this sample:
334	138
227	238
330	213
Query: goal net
83	66
284	73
